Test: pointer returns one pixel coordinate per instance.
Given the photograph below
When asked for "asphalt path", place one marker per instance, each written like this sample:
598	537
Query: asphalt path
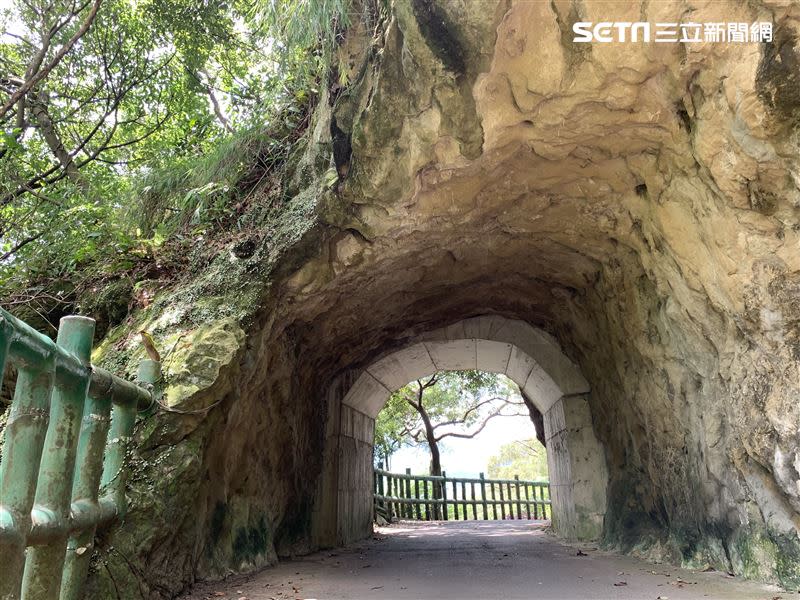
481	560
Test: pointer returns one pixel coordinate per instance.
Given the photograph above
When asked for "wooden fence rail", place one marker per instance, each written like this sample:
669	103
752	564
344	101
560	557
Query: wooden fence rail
430	498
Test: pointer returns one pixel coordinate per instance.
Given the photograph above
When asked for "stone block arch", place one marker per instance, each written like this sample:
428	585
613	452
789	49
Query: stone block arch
528	356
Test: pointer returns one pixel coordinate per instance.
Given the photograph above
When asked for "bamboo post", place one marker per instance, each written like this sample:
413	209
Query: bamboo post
494	504
44	565
22	451
535	502
100	421
464	496
519	504
445	510
483	498
510	500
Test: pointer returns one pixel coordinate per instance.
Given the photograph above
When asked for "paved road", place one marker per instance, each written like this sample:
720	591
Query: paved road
480	560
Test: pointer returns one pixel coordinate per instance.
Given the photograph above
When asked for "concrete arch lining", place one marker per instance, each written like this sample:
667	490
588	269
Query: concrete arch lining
527	355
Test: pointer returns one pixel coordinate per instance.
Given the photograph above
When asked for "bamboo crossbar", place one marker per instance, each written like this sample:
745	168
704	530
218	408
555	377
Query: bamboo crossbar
64	465
433	498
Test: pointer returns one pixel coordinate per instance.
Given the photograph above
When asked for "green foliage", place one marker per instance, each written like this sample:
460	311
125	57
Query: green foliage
526	458
457	403
390	429
151	132
303	23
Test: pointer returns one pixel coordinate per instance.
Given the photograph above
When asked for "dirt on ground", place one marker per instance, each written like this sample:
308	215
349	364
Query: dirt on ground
477	560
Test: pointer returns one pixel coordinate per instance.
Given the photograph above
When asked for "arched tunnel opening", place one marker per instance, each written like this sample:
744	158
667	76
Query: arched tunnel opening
530	358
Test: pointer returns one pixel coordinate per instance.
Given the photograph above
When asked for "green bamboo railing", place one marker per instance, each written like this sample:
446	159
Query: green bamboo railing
63	468
433	498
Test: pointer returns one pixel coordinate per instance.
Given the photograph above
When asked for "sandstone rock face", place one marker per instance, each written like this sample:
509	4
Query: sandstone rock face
639	202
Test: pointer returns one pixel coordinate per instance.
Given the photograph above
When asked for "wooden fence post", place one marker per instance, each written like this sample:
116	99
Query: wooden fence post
425	497
455	499
445	514
519	504
381	493
406	485
483	498
544	506
527	502
474	505
417	509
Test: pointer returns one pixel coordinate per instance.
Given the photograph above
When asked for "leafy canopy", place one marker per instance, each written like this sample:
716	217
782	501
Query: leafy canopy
124	123
457	404
525	458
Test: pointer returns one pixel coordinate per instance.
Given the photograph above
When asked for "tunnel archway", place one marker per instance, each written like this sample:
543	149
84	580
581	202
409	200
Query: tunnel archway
528	356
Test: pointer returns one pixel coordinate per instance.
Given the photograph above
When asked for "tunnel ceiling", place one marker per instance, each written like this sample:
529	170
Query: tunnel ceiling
641	204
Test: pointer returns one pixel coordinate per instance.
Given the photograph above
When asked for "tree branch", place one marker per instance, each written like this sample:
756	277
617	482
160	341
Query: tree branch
21	245
472	434
40	73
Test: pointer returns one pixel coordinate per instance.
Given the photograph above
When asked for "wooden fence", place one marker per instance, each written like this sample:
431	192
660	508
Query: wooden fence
429	498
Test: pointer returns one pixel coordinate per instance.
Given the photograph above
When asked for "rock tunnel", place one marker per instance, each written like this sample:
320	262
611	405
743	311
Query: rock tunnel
617	231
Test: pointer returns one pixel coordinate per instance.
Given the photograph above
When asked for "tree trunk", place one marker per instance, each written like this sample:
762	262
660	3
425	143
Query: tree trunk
436	461
38	105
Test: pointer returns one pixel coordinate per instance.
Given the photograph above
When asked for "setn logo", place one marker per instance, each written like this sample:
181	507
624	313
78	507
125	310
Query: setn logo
611	32
624	31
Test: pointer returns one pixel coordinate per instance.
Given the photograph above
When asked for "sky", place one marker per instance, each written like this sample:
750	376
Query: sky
462	457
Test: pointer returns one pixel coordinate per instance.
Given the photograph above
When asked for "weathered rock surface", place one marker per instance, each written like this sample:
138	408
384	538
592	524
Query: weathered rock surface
638	201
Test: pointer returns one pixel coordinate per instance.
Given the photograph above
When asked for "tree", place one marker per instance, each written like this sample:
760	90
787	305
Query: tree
526	458
389	428
125	123
456	404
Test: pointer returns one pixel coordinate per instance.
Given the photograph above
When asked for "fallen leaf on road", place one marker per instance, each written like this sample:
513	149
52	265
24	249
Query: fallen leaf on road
620	583
581	553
